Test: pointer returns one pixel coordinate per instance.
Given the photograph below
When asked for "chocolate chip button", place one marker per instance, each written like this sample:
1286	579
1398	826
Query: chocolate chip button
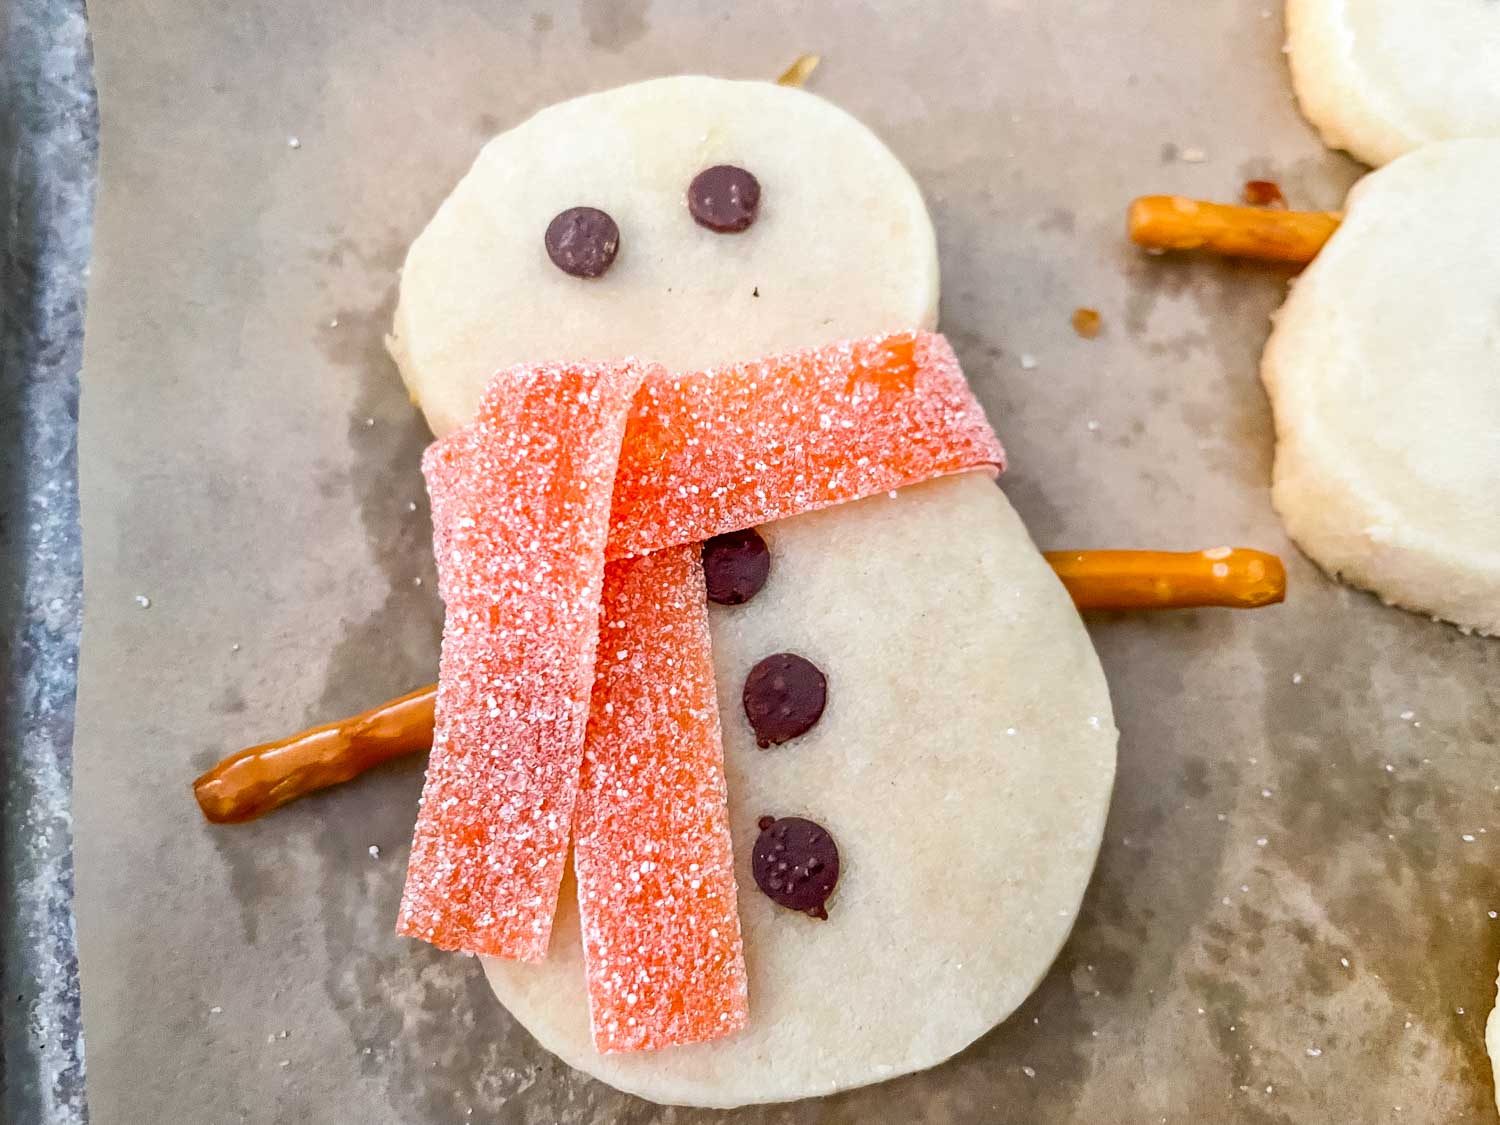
582	241
724	198
795	863
784	696
735	566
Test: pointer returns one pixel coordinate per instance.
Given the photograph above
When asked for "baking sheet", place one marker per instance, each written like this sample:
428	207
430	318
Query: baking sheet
48	135
1289	921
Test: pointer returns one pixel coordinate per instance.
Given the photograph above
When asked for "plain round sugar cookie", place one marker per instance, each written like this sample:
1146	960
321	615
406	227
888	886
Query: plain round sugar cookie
1384	375
1492	1043
1382	77
841	246
963	765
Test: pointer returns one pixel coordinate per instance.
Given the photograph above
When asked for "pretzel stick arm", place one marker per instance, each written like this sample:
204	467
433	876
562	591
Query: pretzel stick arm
255	781
1234	577
1170	222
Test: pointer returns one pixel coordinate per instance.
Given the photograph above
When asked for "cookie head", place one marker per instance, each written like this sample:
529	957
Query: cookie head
691	221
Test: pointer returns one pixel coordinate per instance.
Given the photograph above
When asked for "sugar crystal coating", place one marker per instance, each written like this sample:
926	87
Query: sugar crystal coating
655	869
520	515
567	465
749	443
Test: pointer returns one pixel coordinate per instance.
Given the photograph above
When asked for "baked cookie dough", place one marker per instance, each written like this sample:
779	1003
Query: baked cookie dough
1382	77
964	759
842	246
1384	376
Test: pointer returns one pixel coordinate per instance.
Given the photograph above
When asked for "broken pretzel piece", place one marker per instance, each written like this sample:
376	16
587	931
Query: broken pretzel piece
265	777
1232	577
1171	222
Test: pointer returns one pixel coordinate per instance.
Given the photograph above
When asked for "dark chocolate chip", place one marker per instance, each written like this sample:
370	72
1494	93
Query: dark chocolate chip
784	696
724	198
796	864
583	241
735	566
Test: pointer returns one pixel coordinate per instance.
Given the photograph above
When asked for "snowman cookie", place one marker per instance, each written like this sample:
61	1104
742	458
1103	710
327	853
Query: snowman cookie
917	741
1382	77
1384	375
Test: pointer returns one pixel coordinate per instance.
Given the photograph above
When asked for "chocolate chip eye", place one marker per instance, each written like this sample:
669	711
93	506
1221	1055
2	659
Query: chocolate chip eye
582	241
724	198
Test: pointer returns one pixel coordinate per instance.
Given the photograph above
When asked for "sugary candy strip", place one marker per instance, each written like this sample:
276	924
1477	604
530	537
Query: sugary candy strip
754	442
706	454
652	855
520	514
910	374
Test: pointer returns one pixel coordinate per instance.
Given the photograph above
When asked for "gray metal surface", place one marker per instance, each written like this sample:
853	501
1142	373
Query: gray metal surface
48	141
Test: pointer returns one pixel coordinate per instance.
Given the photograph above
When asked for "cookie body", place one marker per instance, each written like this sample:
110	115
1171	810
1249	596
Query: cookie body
963	765
1379	78
1384	375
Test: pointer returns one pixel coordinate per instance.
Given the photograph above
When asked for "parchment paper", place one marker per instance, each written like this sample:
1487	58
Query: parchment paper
1289	920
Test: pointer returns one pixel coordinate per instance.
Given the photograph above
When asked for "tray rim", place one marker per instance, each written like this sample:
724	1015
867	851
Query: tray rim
49	138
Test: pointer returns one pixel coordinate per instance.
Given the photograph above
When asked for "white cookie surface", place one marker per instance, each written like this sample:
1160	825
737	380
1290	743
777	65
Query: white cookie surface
1384	375
842	247
963	767
965	848
1382	77
1492	1043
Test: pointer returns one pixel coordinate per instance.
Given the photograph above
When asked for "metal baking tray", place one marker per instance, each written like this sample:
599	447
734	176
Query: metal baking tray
48	144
